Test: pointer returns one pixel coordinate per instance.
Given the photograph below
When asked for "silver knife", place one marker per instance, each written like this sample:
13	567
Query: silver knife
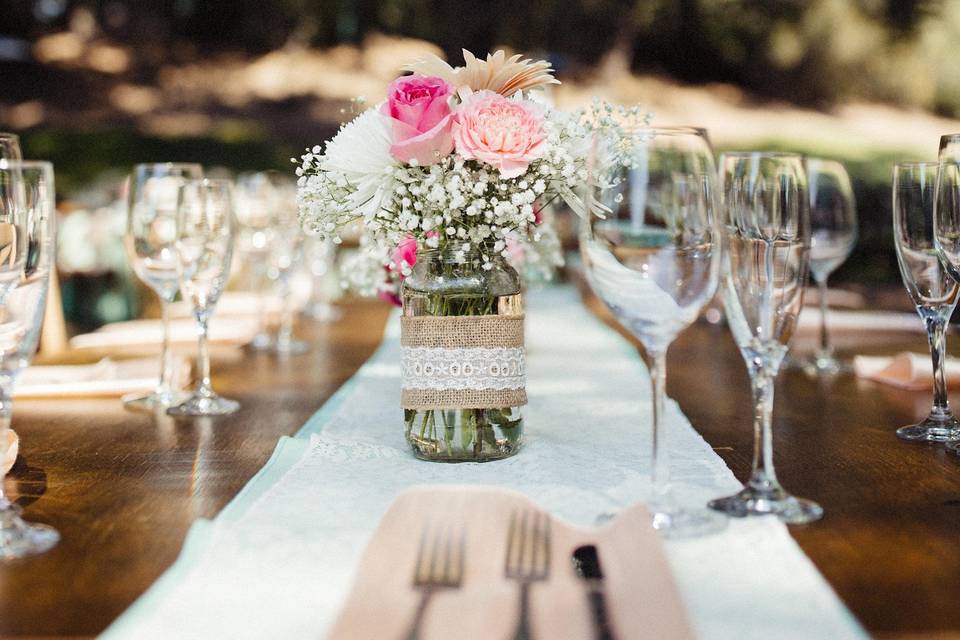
586	564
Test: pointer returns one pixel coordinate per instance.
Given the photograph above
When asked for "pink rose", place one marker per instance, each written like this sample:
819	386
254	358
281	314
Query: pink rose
406	252
419	110
507	134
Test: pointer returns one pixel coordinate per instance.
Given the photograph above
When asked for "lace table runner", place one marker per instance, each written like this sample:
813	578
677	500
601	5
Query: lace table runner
279	560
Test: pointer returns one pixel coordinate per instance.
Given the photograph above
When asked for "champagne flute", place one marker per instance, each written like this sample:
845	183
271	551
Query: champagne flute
26	187
654	260
204	246
833	225
255	204
285	252
321	257
766	234
151	236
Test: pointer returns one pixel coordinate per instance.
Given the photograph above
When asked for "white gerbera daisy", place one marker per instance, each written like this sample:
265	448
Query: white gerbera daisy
360	152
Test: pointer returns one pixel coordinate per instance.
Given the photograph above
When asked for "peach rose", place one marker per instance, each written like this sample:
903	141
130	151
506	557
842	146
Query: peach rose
506	134
420	115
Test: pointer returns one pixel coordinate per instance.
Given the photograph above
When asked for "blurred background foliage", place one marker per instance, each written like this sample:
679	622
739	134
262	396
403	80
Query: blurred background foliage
98	85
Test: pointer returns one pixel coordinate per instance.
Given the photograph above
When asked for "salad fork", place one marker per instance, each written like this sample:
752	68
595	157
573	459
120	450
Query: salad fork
439	566
527	560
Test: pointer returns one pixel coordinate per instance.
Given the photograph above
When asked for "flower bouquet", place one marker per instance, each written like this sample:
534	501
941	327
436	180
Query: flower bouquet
447	178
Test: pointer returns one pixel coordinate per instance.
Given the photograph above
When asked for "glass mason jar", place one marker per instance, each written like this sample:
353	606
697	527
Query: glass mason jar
469	333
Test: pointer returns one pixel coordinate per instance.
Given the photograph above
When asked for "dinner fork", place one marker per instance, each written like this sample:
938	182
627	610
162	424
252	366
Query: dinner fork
527	560
439	566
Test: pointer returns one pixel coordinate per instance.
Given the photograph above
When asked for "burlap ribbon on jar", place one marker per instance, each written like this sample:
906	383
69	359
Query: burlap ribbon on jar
462	362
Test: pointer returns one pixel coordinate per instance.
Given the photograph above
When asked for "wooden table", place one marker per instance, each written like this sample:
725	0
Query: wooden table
123	488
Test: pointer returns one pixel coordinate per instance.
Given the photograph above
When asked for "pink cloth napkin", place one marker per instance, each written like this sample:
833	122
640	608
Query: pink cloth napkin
139	333
905	370
105	378
9	445
641	598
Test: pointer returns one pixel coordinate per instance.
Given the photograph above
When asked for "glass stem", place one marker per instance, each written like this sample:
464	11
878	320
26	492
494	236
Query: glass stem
260	273
203	384
285	332
660	467
763	478
166	353
825	349
937	335
6	411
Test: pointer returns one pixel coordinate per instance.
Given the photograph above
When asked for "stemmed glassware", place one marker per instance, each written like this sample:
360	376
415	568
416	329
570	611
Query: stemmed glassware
255	210
926	230
27	244
833	225
203	249
947	213
285	253
321	255
654	260
151	238
766	237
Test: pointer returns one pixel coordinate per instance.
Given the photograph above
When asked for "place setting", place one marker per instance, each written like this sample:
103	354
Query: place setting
503	354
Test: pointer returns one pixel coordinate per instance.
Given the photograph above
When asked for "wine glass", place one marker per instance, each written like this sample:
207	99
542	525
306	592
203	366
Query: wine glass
255	208
151	236
205	228
833	234
766	237
654	260
284	254
26	187
13	238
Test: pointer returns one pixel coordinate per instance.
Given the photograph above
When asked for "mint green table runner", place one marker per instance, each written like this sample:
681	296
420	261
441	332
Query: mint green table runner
278	561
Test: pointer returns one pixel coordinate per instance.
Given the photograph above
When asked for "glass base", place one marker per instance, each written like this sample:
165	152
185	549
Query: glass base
815	365
261	342
204	405
464	435
18	538
935	428
152	402
322	311
676	523
291	347
777	502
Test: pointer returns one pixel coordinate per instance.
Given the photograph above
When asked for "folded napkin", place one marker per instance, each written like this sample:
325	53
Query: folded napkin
641	598
9	445
104	378
905	370
133	333
855	321
835	298
247	303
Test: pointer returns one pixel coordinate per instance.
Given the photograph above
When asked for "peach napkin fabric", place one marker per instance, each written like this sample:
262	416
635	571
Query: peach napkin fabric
642	600
859	321
9	445
136	333
104	378
905	370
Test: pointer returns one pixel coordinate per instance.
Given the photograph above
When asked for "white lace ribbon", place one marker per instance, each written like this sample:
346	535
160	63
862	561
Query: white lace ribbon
475	368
